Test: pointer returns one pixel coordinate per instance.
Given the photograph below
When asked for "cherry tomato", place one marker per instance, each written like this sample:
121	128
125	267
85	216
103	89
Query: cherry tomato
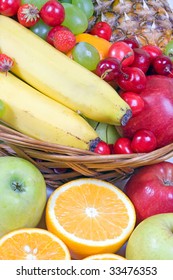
122	146
134	100
102	148
122	52
9	8
52	13
28	15
144	141
102	29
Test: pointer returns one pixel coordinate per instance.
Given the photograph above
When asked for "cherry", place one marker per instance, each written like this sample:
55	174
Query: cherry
142	59
134	100
122	52
152	50
102	148
162	65
102	29
131	79
108	69
132	42
52	13
122	146
9	8
144	141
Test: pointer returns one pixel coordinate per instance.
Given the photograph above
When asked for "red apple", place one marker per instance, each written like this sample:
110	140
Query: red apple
150	189
157	114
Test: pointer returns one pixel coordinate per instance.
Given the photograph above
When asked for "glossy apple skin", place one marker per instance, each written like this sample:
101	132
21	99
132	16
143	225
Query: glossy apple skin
23	207
150	189
157	114
152	239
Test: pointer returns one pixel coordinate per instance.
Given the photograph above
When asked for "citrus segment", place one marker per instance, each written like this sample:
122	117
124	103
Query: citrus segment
91	216
32	244
109	256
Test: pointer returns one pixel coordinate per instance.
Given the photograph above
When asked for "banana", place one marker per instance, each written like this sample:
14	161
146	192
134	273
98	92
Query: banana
59	77
36	115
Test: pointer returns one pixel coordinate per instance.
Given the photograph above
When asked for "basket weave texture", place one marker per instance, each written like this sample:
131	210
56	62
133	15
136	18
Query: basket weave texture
50	158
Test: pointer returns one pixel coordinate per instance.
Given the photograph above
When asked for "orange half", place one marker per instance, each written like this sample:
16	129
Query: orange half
91	216
32	244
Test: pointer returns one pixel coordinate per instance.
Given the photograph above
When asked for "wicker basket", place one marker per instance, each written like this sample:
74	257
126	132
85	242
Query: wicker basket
77	163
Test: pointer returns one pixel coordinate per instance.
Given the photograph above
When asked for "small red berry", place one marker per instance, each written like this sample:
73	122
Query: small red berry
64	40
144	141
102	29
28	15
102	148
6	63
122	146
51	33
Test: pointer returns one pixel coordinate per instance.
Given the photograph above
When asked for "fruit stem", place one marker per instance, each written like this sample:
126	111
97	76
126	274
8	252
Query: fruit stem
17	187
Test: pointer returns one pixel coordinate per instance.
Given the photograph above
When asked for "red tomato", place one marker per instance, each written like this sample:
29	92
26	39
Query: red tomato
123	52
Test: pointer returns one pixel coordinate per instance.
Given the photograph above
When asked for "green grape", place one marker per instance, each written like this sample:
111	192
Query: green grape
86	55
2	108
37	3
41	29
86	6
66	1
75	19
169	50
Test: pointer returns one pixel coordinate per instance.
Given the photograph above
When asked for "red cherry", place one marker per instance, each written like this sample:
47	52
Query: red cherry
122	52
134	100
108	69
132	42
102	29
52	13
122	146
144	141
132	79
162	65
142	59
9	8
152	50
102	148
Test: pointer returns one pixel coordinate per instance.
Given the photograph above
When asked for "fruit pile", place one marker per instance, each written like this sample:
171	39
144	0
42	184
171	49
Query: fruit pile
77	74
87	218
136	78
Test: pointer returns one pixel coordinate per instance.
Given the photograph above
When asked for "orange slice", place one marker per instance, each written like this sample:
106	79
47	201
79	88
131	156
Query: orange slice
109	256
91	216
99	43
32	244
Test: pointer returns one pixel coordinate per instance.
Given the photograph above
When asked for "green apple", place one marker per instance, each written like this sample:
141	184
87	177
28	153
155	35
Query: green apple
22	194
152	239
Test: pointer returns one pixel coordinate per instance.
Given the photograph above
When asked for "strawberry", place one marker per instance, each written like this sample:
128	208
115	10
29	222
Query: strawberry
64	40
6	63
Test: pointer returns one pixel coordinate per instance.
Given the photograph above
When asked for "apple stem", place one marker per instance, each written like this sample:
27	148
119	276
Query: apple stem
17	187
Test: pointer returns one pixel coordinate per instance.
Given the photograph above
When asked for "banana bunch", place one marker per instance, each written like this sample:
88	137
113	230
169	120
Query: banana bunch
36	115
59	77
